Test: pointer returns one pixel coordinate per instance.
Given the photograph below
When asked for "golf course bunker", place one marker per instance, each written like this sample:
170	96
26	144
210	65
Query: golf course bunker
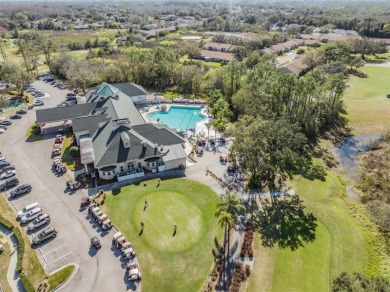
159	212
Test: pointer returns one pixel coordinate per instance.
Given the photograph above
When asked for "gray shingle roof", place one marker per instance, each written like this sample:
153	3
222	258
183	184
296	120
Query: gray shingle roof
109	148
130	89
90	123
159	134
57	114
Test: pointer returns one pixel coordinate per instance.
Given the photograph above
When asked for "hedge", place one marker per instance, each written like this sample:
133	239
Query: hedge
19	263
26	283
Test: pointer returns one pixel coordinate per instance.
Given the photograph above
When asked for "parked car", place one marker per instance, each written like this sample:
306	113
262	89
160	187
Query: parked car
21	112
31	215
11	182
223	159
4	163
38	103
2	130
41	220
3	127
6	123
46	234
20	190
27	209
2	158
8	174
15	117
5	169
71	97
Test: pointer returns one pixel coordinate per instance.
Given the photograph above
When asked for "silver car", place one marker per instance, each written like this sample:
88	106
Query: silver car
31	215
39	221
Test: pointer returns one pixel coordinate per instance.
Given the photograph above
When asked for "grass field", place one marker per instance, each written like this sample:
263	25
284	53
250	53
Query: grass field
170	261
366	103
343	243
60	277
4	263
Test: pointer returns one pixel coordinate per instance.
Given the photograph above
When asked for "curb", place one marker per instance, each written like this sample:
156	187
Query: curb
76	268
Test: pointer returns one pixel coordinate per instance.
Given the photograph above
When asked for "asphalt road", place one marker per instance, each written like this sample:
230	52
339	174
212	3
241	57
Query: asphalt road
98	270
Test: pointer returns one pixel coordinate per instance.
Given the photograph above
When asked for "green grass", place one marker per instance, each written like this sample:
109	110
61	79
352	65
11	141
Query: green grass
67	159
31	265
345	241
60	277
169	262
366	103
31	134
4	263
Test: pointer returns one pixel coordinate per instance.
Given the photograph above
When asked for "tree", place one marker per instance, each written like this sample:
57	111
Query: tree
3	101
48	48
13	73
3	50
268	150
227	212
358	282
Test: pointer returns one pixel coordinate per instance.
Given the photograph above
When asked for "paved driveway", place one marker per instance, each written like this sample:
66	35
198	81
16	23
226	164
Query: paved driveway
98	270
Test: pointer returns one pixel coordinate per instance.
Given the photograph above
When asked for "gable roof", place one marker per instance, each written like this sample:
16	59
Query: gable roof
217	55
57	114
159	134
296	67
89	123
130	89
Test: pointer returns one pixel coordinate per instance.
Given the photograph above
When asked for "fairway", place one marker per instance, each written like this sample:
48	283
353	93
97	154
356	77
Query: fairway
341	244
366	103
170	261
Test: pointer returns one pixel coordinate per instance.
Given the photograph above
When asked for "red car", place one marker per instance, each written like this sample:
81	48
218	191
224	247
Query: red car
223	159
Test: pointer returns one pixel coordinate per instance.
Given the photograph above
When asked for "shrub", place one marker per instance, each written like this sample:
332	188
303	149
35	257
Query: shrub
74	152
19	263
6	223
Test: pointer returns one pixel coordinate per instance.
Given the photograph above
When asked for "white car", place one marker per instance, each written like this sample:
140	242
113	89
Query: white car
39	221
27	208
8	174
31	215
38	103
2	131
2	157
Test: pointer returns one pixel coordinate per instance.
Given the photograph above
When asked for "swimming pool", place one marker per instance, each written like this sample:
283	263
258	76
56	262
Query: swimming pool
178	117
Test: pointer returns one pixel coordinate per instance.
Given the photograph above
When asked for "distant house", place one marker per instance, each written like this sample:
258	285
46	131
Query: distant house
216	56
219	47
114	139
296	67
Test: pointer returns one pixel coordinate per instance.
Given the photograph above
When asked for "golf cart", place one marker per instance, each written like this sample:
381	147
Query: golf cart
121	241
61	168
133	272
103	217
91	206
85	201
126	245
106	224
223	159
96	242
94	210
116	236
199	152
56	152
128	253
73	185
97	214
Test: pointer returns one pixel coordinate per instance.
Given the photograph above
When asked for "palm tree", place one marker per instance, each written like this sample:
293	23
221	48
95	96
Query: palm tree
208	126
226	221
229	205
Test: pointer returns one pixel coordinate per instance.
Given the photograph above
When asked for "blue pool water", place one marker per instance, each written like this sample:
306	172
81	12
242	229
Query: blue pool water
178	117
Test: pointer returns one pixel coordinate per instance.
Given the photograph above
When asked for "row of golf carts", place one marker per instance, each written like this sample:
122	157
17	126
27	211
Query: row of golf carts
56	154
96	213
133	270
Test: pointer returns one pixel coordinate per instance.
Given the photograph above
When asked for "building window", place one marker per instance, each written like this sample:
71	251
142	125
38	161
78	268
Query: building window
139	164
104	173
153	164
109	173
148	164
122	169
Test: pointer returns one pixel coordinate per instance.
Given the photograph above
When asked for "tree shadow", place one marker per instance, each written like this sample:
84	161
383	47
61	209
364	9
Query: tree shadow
282	221
141	232
174	233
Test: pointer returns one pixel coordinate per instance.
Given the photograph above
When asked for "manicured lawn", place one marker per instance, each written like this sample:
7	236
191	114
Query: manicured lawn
366	103
169	261
60	277
344	242
4	263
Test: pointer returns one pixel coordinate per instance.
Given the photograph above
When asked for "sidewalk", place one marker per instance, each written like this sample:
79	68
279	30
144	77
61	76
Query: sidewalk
12	275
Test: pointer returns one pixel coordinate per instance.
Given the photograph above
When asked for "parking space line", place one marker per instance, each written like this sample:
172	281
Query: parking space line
58	258
40	249
55	249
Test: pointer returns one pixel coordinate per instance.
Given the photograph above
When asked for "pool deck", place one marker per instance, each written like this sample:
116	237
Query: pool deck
200	127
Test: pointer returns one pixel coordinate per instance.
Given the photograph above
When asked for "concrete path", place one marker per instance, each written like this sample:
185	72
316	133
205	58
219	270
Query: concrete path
12	275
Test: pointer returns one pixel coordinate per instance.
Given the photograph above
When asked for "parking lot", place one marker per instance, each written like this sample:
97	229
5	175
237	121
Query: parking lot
98	270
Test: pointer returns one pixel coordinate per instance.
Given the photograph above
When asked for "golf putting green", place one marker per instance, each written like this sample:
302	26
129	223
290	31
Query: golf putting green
164	209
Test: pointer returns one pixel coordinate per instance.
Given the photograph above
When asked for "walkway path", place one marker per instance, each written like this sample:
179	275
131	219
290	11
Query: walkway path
12	275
